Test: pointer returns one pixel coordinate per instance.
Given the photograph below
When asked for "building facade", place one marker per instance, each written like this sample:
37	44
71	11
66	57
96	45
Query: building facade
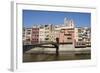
28	35
66	36
46	33
41	34
66	33
35	35
82	36
23	35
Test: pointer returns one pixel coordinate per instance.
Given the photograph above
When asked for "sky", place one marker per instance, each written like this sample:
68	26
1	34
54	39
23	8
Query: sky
34	17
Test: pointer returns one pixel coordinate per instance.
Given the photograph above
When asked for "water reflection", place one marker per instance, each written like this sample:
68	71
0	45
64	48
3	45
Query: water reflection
52	57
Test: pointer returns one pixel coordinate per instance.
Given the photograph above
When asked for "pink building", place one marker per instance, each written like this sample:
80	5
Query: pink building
35	35
67	32
66	35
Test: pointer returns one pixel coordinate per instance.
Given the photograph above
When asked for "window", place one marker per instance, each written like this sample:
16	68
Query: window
79	39
47	35
69	38
68	34
46	38
28	33
27	39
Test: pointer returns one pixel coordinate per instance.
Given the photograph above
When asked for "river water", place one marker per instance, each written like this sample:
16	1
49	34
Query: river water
53	57
50	55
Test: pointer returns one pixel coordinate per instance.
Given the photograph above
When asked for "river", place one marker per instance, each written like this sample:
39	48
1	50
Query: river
48	54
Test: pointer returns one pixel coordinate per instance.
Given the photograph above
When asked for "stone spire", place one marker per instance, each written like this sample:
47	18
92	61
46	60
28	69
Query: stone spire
71	23
65	21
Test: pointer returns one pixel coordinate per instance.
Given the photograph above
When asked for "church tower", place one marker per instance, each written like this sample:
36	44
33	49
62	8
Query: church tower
69	23
65	21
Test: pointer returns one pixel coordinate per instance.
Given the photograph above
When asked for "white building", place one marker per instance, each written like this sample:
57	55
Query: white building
46	33
28	35
41	34
82	36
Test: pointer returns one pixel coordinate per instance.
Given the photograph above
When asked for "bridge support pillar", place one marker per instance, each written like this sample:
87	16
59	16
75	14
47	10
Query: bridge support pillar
57	51
57	47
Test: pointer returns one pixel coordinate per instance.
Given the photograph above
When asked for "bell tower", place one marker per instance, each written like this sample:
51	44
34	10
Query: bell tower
65	21
71	23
